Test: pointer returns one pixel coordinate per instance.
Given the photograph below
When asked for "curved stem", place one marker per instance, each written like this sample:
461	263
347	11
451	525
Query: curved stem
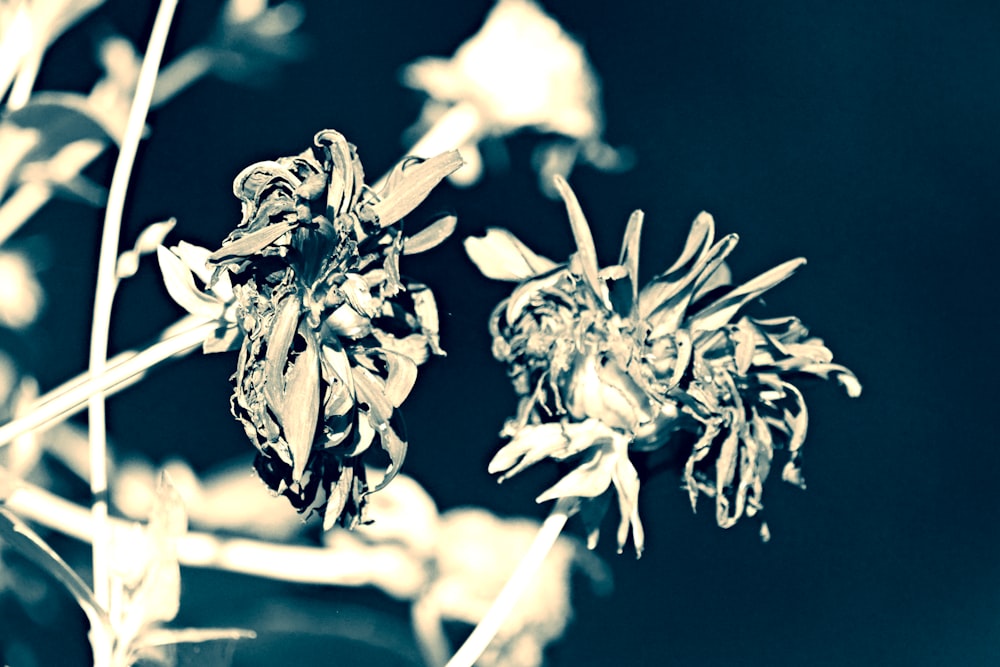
523	577
107	282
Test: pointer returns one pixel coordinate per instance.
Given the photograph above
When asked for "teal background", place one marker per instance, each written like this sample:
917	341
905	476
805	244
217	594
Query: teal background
860	135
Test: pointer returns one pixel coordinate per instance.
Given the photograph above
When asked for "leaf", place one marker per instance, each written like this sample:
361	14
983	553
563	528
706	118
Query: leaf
410	183
502	256
149	240
180	286
430	236
25	541
158	597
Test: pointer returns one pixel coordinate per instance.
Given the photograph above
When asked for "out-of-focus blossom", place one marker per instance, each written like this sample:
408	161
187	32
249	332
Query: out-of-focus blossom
521	70
331	333
476	555
453	565
604	369
21	296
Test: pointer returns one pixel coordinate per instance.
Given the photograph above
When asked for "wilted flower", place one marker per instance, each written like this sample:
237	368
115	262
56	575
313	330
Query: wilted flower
332	335
604	369
521	70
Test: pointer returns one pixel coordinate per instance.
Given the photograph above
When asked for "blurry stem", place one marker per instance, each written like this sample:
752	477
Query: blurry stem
514	589
104	297
280	562
455	128
125	368
183	71
15	44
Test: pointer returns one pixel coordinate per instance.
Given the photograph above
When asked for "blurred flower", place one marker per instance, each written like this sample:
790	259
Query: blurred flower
332	335
521	70
604	369
21	296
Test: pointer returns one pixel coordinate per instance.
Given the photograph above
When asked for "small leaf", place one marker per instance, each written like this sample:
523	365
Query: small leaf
180	286
148	241
502	256
21	537
430	236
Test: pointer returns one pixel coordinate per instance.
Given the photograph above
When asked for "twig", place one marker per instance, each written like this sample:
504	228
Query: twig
280	562
121	371
523	576
104	294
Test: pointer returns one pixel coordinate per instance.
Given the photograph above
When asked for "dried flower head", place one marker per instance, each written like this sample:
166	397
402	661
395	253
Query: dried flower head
521	70
331	333
603	369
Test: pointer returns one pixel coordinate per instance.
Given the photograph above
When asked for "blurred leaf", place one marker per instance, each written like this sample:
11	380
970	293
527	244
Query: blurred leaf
22	538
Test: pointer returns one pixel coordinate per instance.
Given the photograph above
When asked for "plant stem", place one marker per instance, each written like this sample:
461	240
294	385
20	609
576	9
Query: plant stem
121	371
523	577
280	562
105	290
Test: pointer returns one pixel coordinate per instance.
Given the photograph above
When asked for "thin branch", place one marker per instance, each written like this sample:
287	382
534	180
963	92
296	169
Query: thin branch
106	283
259	558
515	587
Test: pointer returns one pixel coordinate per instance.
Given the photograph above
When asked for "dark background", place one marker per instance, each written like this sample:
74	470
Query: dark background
860	135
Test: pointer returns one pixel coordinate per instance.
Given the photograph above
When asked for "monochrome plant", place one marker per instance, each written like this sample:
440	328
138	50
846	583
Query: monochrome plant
310	294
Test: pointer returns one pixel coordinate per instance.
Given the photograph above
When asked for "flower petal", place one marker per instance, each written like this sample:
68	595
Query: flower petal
722	311
410	183
180	285
586	253
430	236
502	256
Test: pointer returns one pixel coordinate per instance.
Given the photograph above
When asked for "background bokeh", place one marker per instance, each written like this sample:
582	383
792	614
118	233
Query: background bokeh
860	135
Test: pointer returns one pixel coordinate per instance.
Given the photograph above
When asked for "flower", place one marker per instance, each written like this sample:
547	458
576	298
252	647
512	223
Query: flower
331	333
604	369
521	70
